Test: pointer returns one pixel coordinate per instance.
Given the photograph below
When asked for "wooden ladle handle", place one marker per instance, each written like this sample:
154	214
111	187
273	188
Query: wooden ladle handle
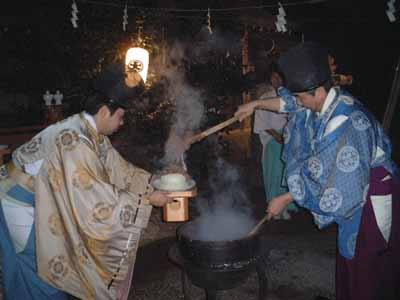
262	221
198	137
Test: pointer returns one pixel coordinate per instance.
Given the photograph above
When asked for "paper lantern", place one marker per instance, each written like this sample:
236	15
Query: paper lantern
137	59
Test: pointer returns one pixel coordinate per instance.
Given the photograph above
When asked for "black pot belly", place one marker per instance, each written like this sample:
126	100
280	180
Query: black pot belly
217	254
218	265
218	279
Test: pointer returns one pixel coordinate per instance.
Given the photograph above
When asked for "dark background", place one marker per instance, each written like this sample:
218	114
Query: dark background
40	50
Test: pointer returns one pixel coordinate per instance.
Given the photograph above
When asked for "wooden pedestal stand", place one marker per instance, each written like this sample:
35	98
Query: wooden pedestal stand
178	211
3	153
53	114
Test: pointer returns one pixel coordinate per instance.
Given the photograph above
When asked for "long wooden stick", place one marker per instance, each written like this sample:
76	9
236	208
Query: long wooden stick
262	221
392	101
205	133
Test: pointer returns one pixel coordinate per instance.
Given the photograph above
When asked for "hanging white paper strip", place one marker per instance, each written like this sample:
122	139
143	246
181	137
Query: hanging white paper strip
281	20
74	12
125	18
390	12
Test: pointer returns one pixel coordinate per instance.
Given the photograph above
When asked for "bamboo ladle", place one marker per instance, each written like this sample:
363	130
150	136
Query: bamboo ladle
198	137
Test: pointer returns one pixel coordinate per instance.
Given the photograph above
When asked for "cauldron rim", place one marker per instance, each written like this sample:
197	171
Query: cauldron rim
181	235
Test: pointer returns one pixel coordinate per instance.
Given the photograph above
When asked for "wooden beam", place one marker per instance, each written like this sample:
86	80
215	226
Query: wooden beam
393	99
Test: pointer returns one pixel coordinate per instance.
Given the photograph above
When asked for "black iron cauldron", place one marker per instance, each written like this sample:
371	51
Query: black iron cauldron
221	265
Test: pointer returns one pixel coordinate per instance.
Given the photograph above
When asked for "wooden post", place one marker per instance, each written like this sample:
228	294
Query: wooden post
163	49
246	96
246	69
392	101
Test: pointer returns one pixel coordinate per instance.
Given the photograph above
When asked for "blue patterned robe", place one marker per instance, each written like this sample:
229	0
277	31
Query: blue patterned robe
328	161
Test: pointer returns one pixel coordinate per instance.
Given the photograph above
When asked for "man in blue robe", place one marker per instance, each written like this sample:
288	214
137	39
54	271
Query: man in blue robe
339	167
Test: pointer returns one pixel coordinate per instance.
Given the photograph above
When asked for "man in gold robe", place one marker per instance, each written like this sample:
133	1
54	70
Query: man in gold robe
72	209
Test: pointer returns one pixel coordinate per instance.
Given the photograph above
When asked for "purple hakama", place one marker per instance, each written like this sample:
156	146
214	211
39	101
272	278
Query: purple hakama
374	271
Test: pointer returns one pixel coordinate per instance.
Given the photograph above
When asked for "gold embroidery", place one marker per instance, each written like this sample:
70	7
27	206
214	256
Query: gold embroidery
97	247
102	211
67	139
82	179
23	179
55	225
32	146
98	138
103	151
31	183
56	284
82	254
90	292
58	267
55	179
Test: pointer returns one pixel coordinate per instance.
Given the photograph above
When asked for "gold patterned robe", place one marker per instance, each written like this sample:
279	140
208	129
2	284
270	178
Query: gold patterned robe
90	210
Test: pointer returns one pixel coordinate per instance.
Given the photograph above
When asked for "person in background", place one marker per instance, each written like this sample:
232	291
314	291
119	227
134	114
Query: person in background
269	125
338	79
72	209
339	167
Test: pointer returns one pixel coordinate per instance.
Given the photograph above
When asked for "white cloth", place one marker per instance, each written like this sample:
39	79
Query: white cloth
328	100
20	216
90	119
33	168
264	119
383	213
19	219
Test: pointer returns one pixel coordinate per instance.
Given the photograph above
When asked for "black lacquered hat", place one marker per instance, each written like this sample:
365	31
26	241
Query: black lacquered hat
112	84
305	67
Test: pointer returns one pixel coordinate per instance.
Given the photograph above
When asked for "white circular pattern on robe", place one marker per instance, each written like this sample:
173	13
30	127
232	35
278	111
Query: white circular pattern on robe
348	159
351	243
360	120
348	100
296	186
286	135
315	167
321	219
331	200
365	194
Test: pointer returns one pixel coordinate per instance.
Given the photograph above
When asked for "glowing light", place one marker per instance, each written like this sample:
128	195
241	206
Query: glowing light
137	59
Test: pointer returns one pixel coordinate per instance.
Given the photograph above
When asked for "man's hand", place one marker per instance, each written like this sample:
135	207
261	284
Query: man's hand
278	204
159	198
245	110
